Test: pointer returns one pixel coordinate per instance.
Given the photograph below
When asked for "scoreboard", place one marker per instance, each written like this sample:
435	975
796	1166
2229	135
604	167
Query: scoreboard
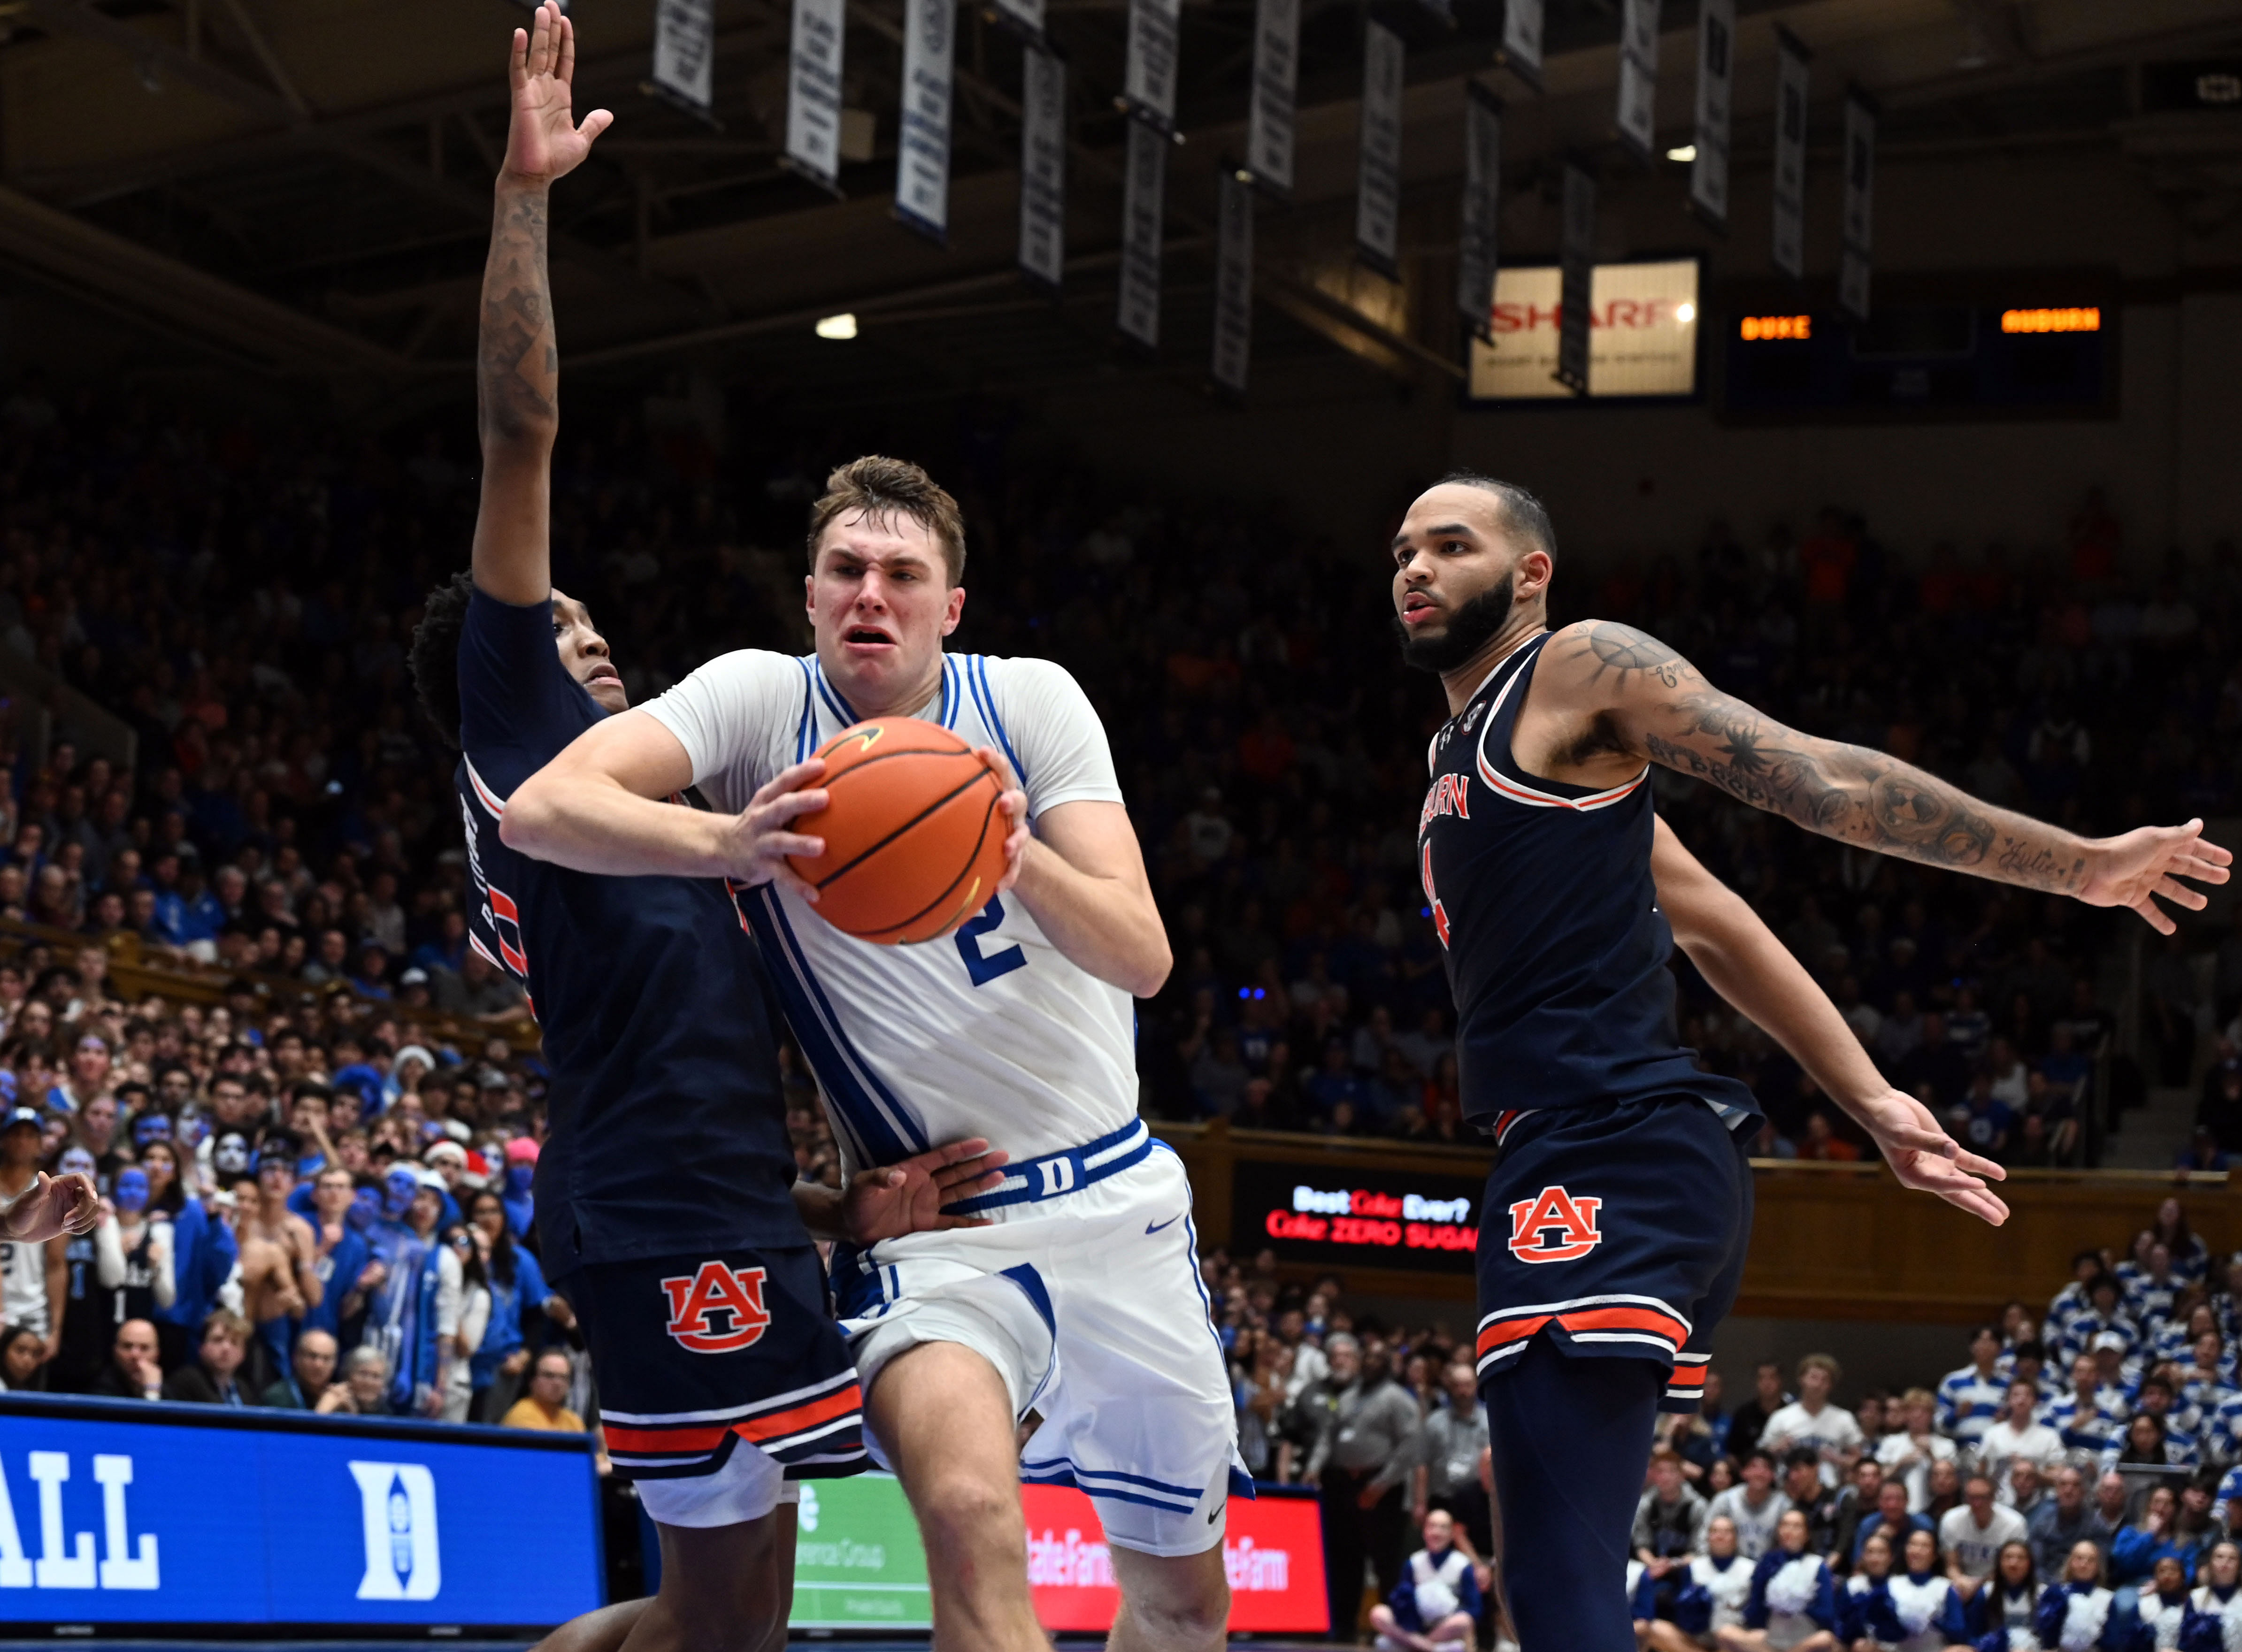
1952	347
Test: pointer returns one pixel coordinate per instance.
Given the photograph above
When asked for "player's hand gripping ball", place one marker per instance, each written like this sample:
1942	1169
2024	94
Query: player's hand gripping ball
914	831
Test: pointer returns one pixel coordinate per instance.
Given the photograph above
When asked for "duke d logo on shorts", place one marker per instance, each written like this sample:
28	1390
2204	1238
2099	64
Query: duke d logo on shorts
1553	1227
717	1310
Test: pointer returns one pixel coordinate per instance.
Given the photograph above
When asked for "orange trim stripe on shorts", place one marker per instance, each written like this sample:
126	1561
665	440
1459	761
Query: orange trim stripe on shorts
761	1430
1589	1319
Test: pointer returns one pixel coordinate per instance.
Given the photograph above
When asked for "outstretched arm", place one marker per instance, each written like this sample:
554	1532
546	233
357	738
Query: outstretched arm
1643	698
1742	961
518	357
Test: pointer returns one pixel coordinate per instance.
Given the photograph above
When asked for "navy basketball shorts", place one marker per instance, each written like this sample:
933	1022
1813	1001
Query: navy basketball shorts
1616	1231
721	1379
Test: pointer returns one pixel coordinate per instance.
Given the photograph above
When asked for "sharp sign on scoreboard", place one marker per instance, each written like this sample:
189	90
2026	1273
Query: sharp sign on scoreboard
1358	1218
1643	333
858	1564
124	1514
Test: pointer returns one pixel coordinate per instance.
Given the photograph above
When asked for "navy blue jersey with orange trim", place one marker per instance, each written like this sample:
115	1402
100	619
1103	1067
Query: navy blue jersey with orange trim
1542	898
668	1122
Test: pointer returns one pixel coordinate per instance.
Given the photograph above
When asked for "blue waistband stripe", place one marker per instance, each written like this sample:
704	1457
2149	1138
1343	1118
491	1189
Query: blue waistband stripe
1056	1174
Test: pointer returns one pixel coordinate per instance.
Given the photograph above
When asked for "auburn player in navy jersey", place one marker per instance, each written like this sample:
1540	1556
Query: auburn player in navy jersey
667	1209
1620	1206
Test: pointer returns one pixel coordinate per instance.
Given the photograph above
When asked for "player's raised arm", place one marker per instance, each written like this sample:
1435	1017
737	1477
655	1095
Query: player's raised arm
1083	878
518	358
1648	700
1742	961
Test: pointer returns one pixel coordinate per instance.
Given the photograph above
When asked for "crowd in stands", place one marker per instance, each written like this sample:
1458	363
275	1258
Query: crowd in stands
317	1166
2090	1452
241	592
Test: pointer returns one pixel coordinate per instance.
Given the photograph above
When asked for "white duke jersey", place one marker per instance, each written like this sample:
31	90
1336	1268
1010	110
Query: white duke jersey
991	1032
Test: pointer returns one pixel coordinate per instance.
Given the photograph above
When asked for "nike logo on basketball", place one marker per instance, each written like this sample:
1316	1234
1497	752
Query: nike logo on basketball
1172	1221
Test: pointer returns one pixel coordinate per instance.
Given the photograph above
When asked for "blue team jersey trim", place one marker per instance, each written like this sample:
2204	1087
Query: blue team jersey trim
976	670
882	1130
805	733
1093	1161
831	696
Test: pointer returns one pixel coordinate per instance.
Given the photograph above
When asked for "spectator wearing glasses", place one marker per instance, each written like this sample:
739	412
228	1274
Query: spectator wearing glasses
310	1371
1972	1536
545	1406
364	1390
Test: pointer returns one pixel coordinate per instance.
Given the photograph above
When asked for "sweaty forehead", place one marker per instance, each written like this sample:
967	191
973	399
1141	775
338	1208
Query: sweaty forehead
1458	502
879	536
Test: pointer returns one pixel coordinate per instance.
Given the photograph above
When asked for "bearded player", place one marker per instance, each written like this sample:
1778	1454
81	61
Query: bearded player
1558	895
1082	1300
668	1210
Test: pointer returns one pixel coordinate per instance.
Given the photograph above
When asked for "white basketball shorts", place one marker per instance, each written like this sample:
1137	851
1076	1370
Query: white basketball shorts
1089	1304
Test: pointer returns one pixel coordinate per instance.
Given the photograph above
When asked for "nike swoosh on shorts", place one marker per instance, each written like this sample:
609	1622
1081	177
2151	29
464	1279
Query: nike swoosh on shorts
1152	1227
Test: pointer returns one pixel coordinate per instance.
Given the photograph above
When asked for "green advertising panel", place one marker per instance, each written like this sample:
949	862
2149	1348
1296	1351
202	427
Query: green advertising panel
857	1563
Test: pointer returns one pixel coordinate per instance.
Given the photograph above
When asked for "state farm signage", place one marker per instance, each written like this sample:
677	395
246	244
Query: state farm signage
1643	333
1272	1554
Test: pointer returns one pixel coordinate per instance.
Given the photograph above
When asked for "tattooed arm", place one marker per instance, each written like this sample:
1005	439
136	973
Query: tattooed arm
518	359
1647	701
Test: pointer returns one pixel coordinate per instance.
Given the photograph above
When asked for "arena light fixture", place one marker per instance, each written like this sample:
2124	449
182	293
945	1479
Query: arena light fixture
840	326
1682	152
1685	312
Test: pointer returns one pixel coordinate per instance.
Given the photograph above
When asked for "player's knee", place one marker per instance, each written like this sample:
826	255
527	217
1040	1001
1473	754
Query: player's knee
963	1509
1194	1613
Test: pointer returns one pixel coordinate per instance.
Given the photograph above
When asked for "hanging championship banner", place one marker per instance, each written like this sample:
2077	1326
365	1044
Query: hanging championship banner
1022	17
1860	180
1149	85
1576	294
1476	248
1276	73
1709	174
1042	165
1791	60
1638	75
922	150
1233	283
685	52
1142	210
813	92
1520	51
1378	173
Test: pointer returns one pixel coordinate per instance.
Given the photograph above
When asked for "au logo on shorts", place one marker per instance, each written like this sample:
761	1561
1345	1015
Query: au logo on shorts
1553	1227
717	1310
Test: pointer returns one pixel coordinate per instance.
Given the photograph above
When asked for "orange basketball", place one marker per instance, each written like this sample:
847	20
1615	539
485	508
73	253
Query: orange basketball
914	840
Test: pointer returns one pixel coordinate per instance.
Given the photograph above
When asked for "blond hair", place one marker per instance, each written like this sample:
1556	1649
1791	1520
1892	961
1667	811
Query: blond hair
881	489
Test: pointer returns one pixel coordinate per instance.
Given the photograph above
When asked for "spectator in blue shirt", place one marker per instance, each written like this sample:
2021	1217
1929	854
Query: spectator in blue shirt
518	1291
343	1254
1970	1398
1892	1519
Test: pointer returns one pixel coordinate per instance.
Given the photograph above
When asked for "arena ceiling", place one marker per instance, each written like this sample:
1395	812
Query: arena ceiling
302	184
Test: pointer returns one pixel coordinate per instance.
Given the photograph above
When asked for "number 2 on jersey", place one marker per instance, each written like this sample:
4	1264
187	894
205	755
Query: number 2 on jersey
984	967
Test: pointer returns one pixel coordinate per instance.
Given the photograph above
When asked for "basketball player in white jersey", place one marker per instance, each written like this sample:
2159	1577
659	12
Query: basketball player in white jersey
1081	1302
